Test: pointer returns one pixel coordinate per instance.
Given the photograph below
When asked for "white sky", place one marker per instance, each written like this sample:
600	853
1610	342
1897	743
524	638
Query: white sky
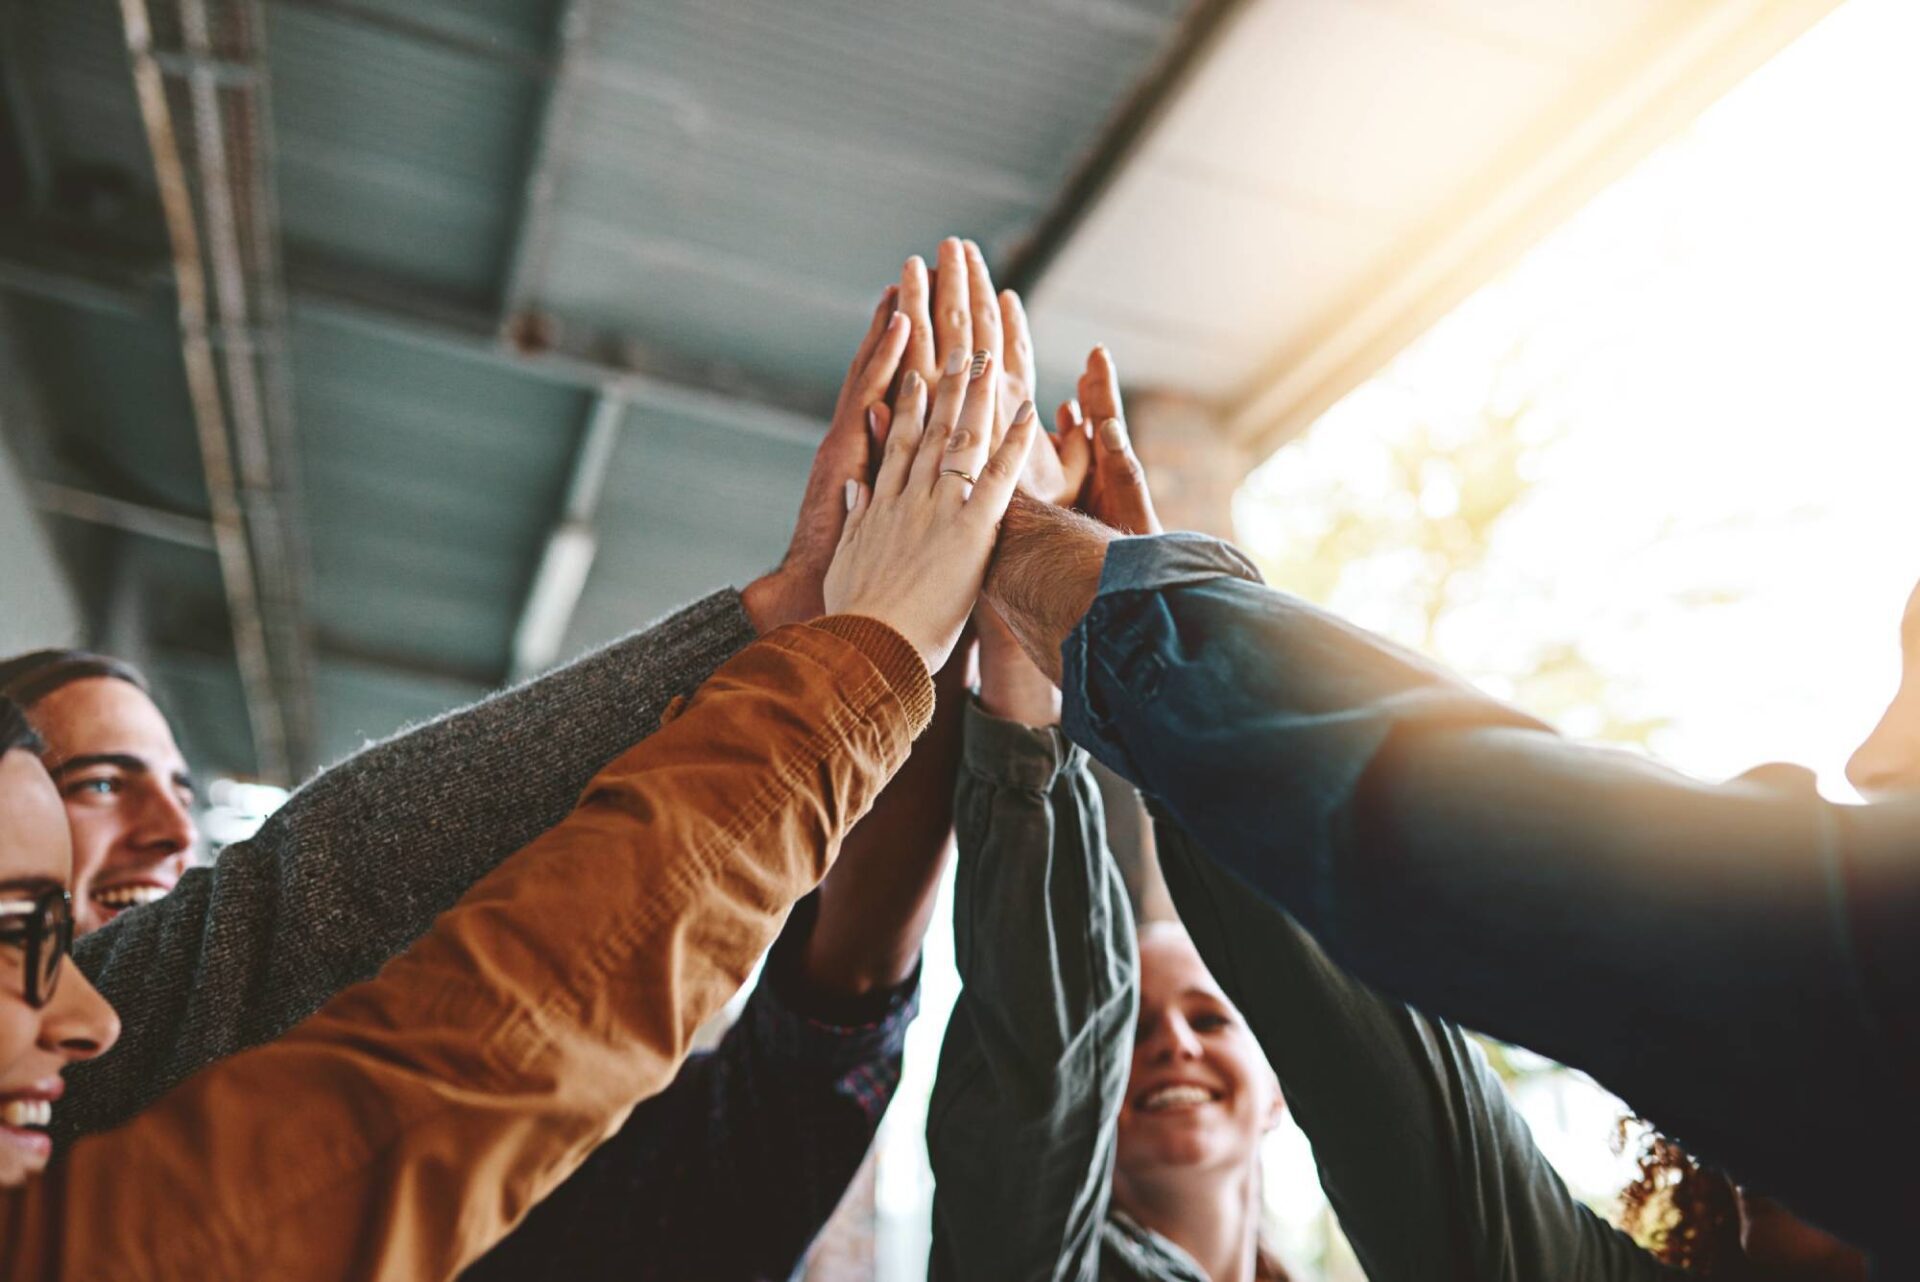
1728	337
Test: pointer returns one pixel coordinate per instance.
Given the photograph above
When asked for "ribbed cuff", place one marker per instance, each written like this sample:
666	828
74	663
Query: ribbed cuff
899	663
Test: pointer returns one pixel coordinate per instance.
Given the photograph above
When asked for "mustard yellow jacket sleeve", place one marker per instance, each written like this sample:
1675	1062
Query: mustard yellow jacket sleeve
415	1118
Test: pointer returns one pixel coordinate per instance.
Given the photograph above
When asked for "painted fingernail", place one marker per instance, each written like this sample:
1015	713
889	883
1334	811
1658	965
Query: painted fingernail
1024	413
873	421
853	492
1073	409
960	440
910	385
956	361
1114	433
980	359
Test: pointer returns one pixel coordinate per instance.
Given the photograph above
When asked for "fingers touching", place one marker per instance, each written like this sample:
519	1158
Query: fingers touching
1001	473
916	301
983	306
903	435
1100	388
952	303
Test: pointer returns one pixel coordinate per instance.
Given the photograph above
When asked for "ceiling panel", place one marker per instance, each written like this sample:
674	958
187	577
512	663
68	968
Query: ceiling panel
1355	107
690	506
394	155
72	61
1179	262
736	182
429	484
113	388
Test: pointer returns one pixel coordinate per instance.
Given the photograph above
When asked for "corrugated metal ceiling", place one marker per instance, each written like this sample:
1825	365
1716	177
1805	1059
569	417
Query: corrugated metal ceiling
732	184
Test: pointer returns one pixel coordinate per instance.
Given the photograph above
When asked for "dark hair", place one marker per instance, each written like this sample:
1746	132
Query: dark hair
1687	1215
14	730
28	678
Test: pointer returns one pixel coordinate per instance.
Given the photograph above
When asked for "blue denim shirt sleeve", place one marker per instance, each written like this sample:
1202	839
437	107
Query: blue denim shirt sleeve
1181	634
1456	853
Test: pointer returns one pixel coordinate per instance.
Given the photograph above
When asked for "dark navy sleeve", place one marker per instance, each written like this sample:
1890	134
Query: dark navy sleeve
1705	951
729	1174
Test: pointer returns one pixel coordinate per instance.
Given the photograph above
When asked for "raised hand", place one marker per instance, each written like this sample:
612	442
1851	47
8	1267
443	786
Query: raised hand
916	544
1116	487
793	592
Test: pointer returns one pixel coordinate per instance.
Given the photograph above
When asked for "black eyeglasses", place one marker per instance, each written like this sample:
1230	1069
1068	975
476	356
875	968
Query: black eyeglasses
43	926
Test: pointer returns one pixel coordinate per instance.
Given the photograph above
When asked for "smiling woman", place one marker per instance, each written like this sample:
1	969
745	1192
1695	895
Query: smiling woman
128	796
50	1016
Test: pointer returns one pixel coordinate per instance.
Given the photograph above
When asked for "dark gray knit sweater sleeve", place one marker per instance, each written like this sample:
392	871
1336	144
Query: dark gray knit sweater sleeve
361	859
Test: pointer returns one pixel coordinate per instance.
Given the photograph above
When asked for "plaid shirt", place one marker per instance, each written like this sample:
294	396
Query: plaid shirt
729	1174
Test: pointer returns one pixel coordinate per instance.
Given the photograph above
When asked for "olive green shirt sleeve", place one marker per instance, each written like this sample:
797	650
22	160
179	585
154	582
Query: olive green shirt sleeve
1020	1130
1430	1168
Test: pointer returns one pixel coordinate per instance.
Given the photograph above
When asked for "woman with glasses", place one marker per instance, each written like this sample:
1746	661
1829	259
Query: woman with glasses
50	1016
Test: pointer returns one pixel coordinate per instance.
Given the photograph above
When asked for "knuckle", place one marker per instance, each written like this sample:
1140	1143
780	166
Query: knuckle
954	316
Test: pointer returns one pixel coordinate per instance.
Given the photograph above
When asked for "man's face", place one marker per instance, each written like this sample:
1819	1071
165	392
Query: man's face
1888	763
128	796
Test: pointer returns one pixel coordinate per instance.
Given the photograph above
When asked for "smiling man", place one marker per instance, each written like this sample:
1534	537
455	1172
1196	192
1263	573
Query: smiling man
128	794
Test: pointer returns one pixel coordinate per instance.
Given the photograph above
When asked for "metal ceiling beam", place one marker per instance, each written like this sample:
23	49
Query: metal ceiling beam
233	531
119	514
99	281
1605	125
1205	25
527	259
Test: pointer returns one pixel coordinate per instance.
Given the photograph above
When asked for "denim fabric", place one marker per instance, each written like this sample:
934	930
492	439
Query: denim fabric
1702	950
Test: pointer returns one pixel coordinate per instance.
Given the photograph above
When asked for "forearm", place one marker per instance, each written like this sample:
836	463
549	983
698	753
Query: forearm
779	1117
1456	854
360	861
1034	1066
1422	1155
413	1120
875	905
1044	574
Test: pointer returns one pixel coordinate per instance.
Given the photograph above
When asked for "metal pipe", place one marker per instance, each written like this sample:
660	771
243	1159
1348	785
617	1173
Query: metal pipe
227	518
526	261
119	514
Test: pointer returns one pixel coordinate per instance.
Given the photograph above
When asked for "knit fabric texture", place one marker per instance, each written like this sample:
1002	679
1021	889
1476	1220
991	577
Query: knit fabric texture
358	862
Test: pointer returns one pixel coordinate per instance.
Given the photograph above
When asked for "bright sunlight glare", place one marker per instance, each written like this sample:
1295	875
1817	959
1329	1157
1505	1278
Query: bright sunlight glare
1661	475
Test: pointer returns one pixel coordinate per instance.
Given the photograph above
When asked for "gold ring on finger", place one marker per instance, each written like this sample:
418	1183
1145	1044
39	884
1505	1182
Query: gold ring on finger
954	471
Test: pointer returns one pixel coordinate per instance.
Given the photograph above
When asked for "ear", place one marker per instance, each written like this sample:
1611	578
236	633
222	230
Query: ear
1276	1107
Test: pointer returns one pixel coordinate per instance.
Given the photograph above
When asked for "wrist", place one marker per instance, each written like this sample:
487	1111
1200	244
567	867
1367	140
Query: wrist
1011	686
776	599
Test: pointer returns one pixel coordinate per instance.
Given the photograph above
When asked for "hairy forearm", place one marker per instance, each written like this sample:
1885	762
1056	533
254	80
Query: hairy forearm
1044	575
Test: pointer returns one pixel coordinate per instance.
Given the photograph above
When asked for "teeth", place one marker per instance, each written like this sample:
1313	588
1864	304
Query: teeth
27	1112
1175	1097
128	896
